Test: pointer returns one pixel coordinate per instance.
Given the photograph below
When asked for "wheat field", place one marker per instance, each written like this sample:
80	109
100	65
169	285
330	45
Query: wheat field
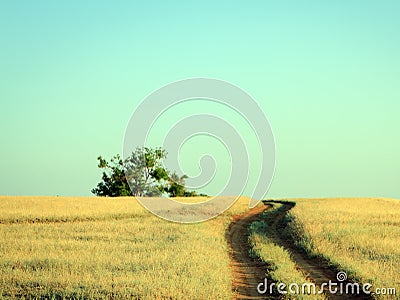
112	248
358	235
280	265
104	248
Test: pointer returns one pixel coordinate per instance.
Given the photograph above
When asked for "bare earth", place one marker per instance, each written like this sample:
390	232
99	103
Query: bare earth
248	273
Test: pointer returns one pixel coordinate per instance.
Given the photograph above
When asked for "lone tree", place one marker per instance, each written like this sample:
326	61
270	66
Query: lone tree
113	182
176	187
141	174
145	172
142	169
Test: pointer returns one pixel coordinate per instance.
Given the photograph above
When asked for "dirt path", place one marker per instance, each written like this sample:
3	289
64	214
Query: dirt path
316	270
248	273
313	270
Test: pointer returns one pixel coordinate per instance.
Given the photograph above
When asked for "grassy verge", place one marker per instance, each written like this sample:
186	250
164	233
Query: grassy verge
281	268
79	249
360	236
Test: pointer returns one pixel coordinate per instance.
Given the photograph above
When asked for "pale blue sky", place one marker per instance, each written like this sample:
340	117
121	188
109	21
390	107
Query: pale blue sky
326	73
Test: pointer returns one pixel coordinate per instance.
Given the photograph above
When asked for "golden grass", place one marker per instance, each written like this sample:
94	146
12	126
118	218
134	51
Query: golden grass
192	199
360	236
19	209
281	267
102	248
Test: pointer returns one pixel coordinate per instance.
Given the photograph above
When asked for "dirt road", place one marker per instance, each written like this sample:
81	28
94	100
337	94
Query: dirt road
248	272
316	270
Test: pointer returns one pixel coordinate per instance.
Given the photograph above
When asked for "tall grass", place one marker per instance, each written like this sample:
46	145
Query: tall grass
25	209
281	267
103	248
360	236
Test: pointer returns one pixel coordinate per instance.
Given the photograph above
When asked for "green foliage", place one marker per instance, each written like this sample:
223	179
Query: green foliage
141	174
176	186
113	182
145	172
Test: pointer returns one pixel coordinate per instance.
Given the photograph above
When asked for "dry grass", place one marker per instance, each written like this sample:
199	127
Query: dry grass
56	247
20	209
360	236
281	267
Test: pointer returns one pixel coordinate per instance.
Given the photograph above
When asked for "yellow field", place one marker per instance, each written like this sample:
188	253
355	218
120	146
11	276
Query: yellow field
103	248
109	248
361	236
281	267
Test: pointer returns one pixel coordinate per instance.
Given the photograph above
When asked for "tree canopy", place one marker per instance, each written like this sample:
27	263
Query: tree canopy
141	174
113	183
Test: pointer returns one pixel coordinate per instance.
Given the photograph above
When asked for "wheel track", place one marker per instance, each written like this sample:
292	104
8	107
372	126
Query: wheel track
248	273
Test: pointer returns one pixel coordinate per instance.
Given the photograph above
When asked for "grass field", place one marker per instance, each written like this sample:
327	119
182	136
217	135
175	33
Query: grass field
358	235
56	247
281	267
112	248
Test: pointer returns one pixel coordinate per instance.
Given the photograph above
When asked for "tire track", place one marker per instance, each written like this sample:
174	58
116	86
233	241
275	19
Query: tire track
248	272
316	270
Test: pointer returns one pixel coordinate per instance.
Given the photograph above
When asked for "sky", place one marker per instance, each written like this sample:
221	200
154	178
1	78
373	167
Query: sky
325	73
